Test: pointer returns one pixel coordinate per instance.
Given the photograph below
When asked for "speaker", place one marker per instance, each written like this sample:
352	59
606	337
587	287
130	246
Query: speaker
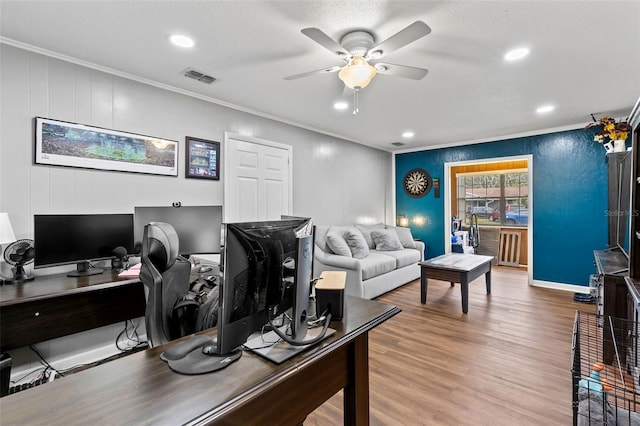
330	294
5	373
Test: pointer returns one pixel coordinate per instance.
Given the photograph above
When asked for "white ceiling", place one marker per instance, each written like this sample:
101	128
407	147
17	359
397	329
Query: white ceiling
585	58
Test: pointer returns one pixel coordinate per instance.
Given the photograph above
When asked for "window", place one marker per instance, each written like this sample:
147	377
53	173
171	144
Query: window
495	197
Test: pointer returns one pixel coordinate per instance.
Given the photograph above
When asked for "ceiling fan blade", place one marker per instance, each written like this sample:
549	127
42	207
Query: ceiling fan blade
400	39
325	41
404	71
310	73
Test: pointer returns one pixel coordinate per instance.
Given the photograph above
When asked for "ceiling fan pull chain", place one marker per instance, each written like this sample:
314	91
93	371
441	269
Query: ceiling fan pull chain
356	108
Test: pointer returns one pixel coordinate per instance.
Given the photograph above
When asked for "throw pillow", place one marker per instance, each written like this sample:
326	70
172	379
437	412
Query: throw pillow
366	233
405	236
337	243
356	242
386	240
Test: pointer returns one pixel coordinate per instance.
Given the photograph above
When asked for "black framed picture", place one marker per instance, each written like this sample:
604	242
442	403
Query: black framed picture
61	143
202	159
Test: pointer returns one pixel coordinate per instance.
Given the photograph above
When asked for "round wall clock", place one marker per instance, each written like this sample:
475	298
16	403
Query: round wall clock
417	183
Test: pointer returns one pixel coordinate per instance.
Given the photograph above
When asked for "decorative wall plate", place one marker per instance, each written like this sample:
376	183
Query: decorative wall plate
417	183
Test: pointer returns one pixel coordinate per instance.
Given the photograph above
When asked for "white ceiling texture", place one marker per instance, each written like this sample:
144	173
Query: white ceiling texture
584	59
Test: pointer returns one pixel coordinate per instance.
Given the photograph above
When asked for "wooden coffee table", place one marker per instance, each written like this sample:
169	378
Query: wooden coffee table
455	268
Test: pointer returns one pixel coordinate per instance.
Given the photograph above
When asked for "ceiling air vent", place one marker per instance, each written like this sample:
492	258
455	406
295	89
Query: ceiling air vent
397	144
197	75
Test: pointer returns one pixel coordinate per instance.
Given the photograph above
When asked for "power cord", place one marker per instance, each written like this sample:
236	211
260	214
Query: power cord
132	336
44	361
41	372
294	342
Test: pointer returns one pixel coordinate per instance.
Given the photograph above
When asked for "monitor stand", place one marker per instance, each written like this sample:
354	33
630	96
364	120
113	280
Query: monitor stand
281	351
85	269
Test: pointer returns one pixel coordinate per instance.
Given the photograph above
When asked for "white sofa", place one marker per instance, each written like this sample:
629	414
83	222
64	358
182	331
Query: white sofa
368	274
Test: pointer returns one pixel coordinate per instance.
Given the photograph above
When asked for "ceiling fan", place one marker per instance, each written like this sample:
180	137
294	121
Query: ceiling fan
361	55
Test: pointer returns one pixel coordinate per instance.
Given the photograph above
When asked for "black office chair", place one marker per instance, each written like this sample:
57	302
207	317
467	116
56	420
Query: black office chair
165	276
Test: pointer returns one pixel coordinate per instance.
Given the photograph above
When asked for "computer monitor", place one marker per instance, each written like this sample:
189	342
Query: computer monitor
198	227
266	268
266	271
66	239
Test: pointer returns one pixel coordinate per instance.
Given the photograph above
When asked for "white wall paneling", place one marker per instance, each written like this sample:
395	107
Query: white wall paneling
334	181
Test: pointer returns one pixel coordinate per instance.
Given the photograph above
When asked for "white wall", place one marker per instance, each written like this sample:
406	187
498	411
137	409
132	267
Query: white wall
334	181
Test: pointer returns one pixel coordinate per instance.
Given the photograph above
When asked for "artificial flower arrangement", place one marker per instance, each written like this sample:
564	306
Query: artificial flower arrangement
611	131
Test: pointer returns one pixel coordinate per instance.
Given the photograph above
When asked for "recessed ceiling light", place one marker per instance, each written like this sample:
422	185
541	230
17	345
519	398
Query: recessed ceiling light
181	40
545	109
408	134
515	54
340	105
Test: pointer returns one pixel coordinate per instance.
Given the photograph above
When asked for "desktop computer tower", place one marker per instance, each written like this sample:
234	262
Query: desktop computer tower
304	261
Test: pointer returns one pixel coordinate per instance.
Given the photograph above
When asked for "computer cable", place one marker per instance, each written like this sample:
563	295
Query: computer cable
267	343
40	372
132	336
266	328
316	322
294	342
43	361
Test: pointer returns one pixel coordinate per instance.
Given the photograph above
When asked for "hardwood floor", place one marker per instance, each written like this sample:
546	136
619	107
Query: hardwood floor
506	362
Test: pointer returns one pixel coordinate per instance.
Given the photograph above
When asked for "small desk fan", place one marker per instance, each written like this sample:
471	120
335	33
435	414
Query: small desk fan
18	254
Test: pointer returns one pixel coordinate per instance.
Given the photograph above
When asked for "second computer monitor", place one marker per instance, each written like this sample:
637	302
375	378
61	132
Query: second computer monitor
198	227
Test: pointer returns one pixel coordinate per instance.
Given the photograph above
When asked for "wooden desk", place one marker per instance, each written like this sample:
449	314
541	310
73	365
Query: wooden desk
456	268
56	305
141	389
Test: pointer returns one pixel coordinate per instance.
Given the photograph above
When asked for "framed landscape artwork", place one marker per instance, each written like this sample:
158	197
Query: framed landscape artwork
202	159
60	143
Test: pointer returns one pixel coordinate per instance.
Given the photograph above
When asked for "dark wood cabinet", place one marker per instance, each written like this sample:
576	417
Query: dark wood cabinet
633	280
612	264
612	269
634	239
618	210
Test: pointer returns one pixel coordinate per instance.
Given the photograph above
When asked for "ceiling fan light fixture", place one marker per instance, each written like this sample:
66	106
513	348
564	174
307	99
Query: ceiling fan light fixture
357	74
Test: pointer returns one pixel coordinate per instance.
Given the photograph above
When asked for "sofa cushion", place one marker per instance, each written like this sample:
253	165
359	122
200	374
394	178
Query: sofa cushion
320	235
403	257
405	236
366	233
386	239
376	264
355	240
337	243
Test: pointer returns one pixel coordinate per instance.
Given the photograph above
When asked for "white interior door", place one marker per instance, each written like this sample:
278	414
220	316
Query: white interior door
257	179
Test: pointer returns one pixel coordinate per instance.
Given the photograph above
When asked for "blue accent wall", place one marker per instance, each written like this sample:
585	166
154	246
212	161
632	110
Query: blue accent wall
569	199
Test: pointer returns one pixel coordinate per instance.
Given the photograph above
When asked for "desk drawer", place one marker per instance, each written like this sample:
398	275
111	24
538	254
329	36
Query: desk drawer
68	313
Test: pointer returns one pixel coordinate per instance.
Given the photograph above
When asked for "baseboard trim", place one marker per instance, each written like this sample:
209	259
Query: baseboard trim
561	286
